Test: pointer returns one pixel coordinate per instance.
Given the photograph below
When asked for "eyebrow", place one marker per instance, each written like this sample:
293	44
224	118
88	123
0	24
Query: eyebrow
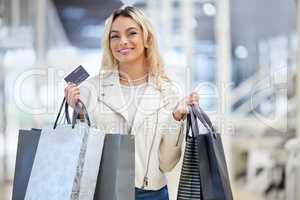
130	28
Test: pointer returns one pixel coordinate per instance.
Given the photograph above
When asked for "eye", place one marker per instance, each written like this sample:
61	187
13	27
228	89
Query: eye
114	36
132	33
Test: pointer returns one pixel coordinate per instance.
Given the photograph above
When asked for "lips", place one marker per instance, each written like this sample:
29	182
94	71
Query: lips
125	51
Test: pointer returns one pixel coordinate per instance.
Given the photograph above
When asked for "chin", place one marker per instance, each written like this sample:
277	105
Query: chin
126	60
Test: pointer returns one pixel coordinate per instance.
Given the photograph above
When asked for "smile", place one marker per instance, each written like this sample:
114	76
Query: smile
125	51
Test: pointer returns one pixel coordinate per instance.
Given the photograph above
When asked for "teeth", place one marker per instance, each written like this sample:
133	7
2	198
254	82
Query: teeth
122	50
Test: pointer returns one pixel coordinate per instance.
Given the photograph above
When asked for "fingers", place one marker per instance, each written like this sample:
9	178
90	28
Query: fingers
193	98
70	85
72	94
181	110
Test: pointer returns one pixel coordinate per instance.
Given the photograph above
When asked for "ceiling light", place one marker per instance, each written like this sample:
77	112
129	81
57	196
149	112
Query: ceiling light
241	52
209	9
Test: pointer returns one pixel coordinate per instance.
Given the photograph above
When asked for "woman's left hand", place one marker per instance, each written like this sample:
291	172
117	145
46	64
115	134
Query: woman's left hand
181	109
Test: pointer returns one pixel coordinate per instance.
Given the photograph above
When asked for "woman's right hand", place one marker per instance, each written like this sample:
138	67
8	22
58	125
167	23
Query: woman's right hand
72	94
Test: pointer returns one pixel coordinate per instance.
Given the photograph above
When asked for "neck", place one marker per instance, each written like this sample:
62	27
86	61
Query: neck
133	71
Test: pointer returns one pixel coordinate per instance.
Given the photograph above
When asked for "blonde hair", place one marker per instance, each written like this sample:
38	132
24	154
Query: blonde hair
153	57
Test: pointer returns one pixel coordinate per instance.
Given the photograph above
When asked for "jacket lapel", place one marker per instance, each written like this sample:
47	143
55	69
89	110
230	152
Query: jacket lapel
111	94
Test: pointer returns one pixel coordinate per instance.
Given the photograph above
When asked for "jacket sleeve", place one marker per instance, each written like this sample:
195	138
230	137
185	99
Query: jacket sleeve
88	95
172	136
171	147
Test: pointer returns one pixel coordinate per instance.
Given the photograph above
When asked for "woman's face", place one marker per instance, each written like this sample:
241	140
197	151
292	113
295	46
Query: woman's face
126	40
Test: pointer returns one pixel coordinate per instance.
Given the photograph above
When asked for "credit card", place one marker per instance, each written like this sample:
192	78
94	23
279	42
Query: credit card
77	76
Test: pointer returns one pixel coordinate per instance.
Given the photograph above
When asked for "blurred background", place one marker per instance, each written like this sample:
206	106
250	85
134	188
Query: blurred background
241	56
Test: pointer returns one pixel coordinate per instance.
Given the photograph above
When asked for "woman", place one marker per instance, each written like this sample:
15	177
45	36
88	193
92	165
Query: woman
133	95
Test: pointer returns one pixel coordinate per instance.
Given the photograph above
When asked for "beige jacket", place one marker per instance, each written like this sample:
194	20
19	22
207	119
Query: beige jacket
154	127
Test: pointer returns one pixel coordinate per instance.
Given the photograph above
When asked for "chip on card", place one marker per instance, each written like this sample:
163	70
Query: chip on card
77	76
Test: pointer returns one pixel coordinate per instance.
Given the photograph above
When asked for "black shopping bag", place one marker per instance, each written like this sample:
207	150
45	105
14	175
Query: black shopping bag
204	172
116	173
27	144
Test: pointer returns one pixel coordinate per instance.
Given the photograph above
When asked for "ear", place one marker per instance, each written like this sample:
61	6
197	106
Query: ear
147	41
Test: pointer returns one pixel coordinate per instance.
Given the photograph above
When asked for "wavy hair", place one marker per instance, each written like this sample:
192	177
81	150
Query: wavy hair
152	56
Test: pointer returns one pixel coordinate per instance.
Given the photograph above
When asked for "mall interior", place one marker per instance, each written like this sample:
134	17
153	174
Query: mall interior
242	58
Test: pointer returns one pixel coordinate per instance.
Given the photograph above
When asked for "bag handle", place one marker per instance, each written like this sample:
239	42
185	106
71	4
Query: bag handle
59	113
192	123
203	117
67	113
76	113
79	106
188	125
200	113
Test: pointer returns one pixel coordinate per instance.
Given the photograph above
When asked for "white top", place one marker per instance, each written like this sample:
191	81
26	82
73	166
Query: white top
132	96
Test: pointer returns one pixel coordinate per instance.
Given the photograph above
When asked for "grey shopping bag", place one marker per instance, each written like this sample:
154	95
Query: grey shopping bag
116	175
26	150
292	169
58	166
86	170
59	159
91	165
204	172
27	144
55	165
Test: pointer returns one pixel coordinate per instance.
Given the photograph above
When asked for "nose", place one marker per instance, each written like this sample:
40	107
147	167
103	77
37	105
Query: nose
124	41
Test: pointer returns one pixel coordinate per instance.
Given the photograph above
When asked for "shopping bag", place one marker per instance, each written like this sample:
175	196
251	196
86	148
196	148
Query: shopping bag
27	144
91	165
116	175
39	172
55	165
292	169
204	172
58	162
